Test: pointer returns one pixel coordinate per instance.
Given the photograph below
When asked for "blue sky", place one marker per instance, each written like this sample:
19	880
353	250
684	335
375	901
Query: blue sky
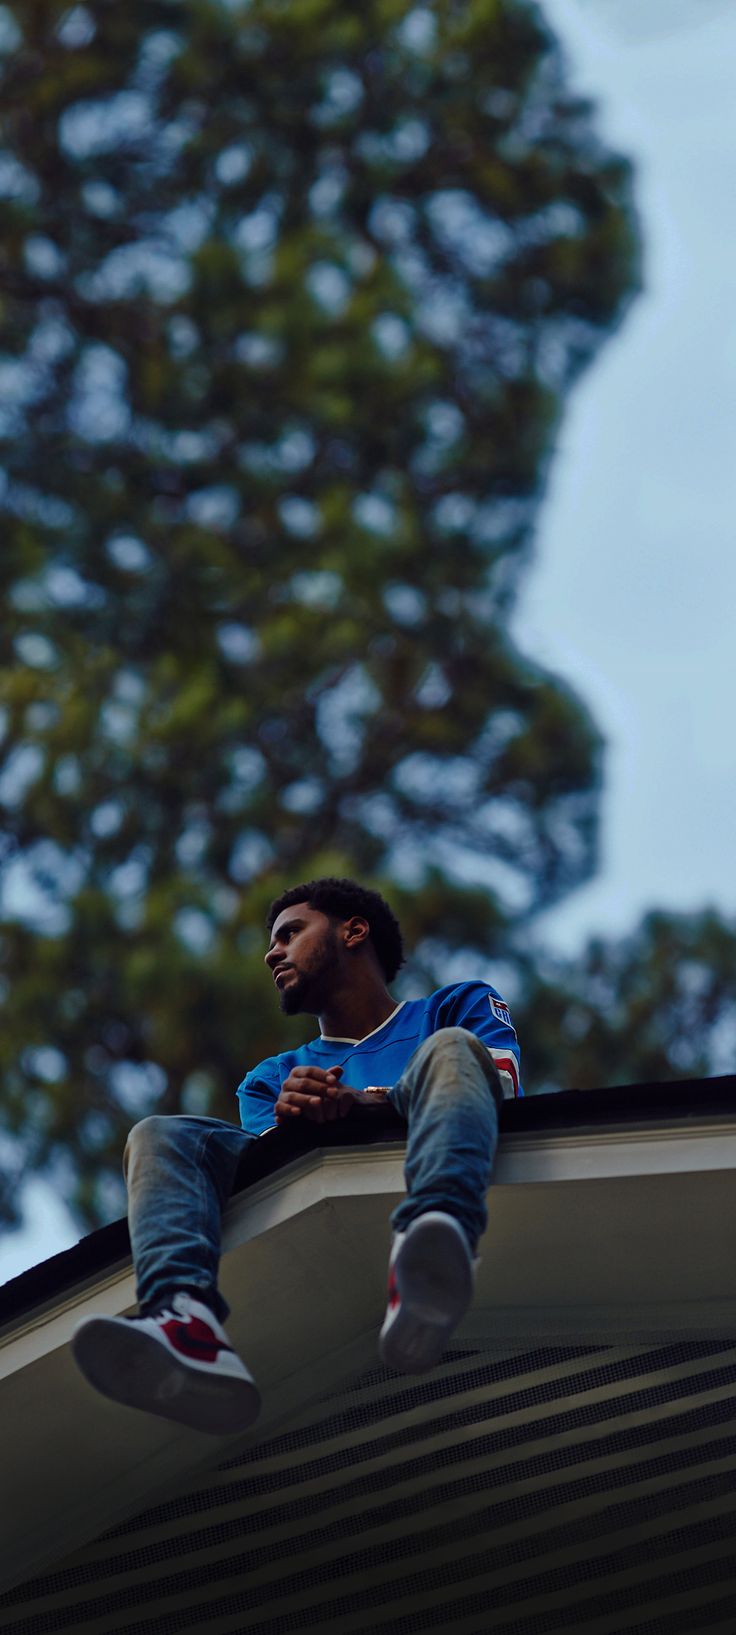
634	587
633	592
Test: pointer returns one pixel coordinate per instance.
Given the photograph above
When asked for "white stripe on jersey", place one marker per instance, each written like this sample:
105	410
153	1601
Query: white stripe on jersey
508	1071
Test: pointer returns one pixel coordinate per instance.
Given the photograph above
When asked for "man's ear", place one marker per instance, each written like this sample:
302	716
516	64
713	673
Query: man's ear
357	931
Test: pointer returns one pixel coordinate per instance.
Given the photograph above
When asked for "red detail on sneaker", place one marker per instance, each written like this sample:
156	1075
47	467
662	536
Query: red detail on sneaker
193	1339
394	1298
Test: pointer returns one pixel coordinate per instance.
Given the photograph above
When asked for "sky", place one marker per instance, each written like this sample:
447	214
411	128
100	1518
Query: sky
633	591
632	594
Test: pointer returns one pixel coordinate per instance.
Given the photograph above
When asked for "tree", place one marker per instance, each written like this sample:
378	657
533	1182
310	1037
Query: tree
293	295
657	1004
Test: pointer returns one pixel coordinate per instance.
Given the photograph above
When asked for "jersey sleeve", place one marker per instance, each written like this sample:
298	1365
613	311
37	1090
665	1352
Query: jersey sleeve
477	1007
257	1095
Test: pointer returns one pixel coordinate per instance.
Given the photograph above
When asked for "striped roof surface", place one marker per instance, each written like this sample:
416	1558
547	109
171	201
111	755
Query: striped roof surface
551	1487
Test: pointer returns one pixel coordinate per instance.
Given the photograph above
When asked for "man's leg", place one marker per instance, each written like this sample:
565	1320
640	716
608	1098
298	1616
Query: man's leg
179	1172
175	1359
449	1097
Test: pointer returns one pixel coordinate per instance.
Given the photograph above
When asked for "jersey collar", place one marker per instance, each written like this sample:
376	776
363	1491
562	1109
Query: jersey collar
337	1039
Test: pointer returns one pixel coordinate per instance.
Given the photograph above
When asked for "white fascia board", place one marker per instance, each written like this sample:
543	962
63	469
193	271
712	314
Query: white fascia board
525	1162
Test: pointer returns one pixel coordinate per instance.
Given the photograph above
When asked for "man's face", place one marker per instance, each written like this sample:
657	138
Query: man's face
304	958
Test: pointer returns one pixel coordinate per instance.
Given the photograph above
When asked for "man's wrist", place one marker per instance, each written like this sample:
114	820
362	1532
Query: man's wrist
369	1102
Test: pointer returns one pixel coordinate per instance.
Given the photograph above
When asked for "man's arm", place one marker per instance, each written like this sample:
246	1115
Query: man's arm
257	1096
479	1008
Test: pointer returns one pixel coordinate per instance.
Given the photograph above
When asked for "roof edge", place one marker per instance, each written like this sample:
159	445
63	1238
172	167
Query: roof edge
101	1250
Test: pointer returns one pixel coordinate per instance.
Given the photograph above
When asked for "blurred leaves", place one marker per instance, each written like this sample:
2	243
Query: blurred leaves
657	1004
292	298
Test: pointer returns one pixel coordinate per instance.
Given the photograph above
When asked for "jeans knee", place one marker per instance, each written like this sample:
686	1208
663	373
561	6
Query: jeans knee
452	1036
462	1040
148	1130
147	1136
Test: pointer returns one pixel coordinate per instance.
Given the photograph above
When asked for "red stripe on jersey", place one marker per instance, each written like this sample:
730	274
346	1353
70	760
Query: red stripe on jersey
507	1064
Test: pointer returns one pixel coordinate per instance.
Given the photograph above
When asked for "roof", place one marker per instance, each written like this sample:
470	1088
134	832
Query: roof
568	1109
572	1461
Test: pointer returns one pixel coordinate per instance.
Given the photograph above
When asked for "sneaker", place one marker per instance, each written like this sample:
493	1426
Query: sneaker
178	1363
430	1286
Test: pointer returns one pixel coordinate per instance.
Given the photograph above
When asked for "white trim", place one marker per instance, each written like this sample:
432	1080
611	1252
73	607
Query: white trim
336	1038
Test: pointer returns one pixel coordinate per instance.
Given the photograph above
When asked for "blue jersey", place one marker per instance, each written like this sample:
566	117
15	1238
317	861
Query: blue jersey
378	1061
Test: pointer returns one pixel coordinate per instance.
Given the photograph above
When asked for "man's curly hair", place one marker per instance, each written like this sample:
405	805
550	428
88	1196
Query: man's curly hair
339	900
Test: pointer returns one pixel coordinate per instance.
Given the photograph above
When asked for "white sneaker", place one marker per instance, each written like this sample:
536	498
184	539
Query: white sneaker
430	1286
179	1364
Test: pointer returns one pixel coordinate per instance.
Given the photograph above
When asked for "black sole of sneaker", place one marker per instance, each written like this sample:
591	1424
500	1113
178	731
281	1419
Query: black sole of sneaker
137	1370
434	1277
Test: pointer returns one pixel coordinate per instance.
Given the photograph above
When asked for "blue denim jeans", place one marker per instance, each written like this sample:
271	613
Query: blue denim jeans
180	1170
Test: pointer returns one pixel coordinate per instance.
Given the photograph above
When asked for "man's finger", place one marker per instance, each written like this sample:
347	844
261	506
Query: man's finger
334	1091
318	1074
310	1081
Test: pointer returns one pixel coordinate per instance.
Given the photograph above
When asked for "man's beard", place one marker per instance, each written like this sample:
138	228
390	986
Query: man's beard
309	989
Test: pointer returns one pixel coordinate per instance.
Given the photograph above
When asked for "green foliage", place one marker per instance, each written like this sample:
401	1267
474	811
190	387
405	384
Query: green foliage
655	1005
293	293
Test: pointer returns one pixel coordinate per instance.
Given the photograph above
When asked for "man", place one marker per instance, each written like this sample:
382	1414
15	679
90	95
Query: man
442	1064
